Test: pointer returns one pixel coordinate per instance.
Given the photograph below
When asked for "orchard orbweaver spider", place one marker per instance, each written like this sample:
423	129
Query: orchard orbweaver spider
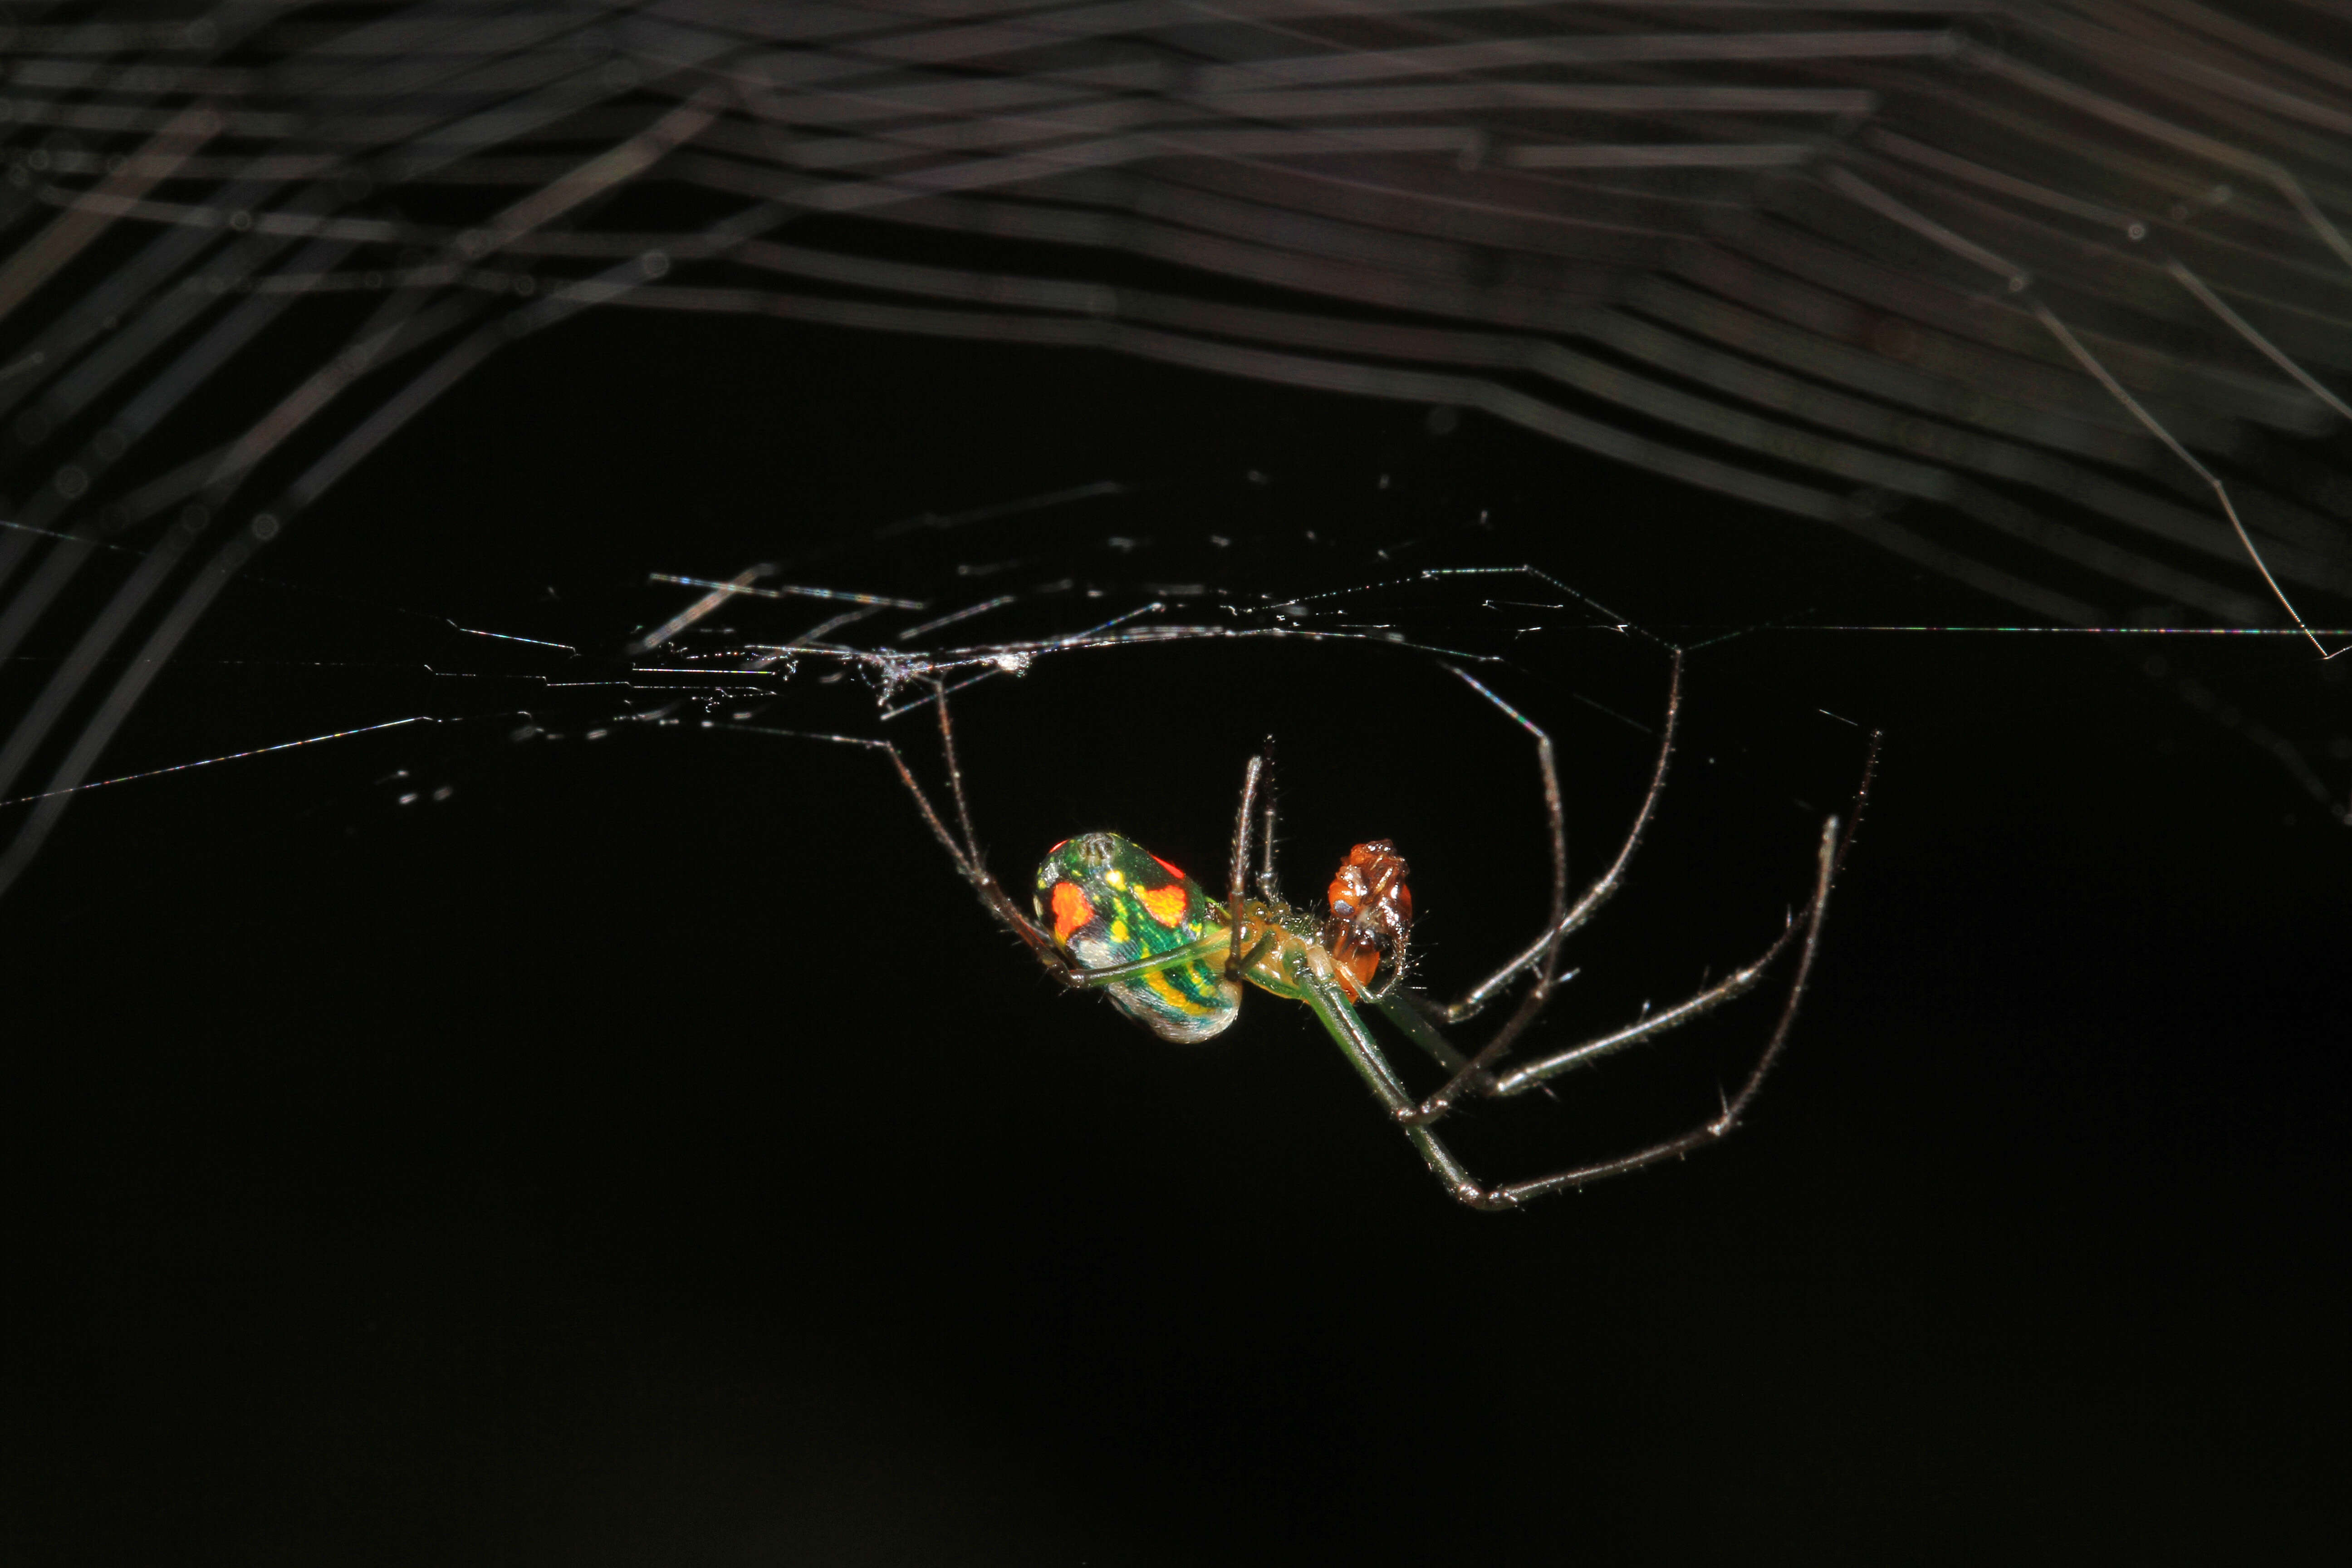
1109	916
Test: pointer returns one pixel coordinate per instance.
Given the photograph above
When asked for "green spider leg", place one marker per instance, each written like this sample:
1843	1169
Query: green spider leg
1512	1195
1310	981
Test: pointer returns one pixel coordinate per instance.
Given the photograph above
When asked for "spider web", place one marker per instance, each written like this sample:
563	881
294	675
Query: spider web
2026	307
1180	614
1208	611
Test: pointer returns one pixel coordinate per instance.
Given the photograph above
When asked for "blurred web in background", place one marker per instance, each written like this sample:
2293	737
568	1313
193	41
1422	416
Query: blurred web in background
2030	296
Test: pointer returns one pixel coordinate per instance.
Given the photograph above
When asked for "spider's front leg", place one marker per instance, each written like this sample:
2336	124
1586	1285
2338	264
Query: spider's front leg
1832	856
1484	1076
1541	957
1480	1080
1329	1002
1331	1007
1345	1027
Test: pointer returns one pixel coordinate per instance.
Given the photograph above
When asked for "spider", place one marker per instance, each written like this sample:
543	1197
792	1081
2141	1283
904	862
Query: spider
1110	916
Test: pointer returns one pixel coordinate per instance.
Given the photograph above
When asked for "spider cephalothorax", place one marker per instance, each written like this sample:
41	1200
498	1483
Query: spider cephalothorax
1371	914
1110	916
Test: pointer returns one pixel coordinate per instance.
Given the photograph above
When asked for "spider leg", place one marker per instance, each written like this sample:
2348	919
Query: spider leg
1407	1020
973	863
966	854
1268	887
1512	1195
1255	781
1604	888
955	774
1738	983
1543	953
1174	958
1481	1079
1240	869
1347	1029
1834	847
1479	1075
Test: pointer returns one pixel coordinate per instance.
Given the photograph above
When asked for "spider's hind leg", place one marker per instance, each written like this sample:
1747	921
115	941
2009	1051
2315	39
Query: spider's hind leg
1340	1020
1543	956
1512	1195
966	854
1256	782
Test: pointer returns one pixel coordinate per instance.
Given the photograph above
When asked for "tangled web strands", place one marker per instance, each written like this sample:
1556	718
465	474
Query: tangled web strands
2048	299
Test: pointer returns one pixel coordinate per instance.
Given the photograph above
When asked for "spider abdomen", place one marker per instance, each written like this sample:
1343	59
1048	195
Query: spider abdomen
1108	901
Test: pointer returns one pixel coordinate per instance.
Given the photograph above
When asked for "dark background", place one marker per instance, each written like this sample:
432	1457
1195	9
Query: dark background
649	1152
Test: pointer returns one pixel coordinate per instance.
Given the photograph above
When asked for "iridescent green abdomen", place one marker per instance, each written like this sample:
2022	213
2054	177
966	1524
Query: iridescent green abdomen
1108	902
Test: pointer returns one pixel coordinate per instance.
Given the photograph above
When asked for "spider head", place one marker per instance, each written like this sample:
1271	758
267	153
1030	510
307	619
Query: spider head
1372	912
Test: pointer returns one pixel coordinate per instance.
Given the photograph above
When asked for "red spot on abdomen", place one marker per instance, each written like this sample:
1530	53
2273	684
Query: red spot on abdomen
1071	911
1166	903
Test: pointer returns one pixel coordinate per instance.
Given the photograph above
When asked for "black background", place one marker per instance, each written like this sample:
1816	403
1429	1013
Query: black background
649	1152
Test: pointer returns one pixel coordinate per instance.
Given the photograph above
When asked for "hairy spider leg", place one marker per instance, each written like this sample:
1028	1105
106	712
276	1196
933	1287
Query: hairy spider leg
1268	887
1482	1079
1372	874
966	852
1605	887
1290	961
1529	1075
1543	953
1312	980
1251	778
1832	857
1301	968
